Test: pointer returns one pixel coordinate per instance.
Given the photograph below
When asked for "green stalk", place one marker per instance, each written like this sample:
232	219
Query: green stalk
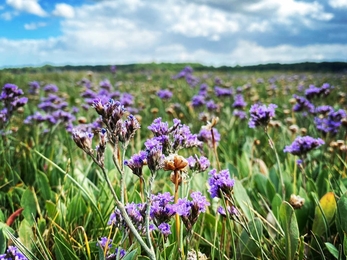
272	145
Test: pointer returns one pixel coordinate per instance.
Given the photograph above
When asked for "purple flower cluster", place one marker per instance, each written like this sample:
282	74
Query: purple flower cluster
12	253
205	136
200	99
161	212
187	73
220	183
11	101
239	102
232	211
302	145
261	115
240	114
172	139
50	88
190	210
198	164
34	88
54	108
136	163
164	94
223	92
331	123
313	91
303	104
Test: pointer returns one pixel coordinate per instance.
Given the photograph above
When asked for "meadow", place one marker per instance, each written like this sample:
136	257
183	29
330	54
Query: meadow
173	164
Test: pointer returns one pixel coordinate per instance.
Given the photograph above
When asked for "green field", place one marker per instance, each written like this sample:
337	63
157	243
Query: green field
81	178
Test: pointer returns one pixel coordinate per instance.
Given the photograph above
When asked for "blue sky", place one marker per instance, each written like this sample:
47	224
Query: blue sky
211	32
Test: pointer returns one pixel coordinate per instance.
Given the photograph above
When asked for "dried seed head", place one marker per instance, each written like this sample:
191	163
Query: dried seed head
296	201
303	131
294	129
175	162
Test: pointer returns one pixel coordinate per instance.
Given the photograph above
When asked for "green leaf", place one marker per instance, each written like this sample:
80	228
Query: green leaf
28	202
43	185
243	199
324	214
290	227
342	212
332	249
26	234
131	255
250	240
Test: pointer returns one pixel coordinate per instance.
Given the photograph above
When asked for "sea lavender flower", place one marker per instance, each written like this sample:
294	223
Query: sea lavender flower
240	114
261	115
162	208
12	252
203	90
116	219
302	145
332	123
198	164
34	88
312	92
105	84
223	92
302	104
155	157
113	69
164	228
104	242
159	128
50	88
220	183
126	99
164	94
118	254
324	110
239	102
83	140
211	105
205	136
190	210
136	163
198	100
232	211
183	73
137	214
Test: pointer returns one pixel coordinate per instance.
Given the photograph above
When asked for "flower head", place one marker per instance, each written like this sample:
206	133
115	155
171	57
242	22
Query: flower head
220	183
261	115
302	145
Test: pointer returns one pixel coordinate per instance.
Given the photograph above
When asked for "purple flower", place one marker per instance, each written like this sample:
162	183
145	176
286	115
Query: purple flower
50	88
205	136
12	253
162	208
332	123
34	87
183	73
164	94
198	164
83	140
324	110
198	100
199	201
19	102
220	183
302	145
239	102
203	90
240	114
231	211
105	84
159	128
302	105
261	115
211	105
223	92
104	242
312	91
164	229
183	207
136	163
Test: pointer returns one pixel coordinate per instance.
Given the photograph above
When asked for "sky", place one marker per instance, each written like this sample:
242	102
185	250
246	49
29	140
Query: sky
210	32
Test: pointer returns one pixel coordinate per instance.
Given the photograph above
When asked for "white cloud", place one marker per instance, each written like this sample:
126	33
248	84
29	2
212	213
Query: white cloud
201	21
64	10
338	3
34	26
286	9
7	16
29	6
123	32
2	7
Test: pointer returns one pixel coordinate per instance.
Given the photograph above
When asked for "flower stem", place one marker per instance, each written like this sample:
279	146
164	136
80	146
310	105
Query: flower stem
272	145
